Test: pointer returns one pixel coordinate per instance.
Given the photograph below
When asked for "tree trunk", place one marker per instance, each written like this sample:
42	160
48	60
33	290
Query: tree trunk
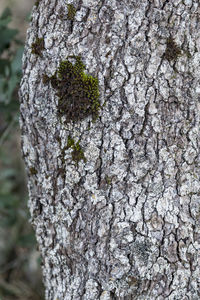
115	197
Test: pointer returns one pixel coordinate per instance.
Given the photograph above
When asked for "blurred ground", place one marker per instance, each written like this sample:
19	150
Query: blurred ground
20	271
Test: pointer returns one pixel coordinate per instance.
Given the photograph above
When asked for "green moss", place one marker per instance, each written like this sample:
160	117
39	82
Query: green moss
38	46
77	153
58	138
78	92
133	281
107	40
45	79
37	3
32	171
70	142
108	179
188	54
172	51
71	12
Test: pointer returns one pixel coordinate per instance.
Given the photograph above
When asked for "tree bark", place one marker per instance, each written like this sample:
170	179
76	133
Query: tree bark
122	223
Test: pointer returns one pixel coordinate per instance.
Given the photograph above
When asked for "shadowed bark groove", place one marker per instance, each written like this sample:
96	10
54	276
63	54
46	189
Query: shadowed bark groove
123	223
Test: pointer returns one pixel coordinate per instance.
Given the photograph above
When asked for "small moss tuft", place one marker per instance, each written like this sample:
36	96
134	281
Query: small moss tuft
45	79
172	51
78	92
77	153
37	3
38	46
108	180
32	171
133	281
70	142
71	12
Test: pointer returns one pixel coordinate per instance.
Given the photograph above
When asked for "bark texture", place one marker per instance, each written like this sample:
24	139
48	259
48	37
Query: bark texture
124	223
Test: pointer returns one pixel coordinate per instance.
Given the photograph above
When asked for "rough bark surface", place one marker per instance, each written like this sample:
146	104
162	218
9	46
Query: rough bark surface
125	223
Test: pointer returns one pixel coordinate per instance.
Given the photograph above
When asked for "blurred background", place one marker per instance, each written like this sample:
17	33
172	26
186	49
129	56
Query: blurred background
20	271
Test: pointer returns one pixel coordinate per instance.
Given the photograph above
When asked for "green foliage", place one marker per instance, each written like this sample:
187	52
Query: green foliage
7	34
78	92
11	189
15	231
71	12
10	64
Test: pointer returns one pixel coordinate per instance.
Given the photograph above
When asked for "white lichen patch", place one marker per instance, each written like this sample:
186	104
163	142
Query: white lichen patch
153	65
105	295
189	183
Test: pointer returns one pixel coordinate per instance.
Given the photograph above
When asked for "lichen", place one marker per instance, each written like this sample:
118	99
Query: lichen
77	153
71	12
77	91
141	249
172	51
38	46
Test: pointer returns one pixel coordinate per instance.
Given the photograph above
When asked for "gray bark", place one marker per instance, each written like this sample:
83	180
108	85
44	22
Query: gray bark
124	224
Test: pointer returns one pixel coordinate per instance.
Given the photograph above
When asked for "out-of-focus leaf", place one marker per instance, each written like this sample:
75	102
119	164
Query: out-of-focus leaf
11	85
9	220
6	36
7	109
4	22
6	188
27	240
4	63
6	13
6	173
16	63
8	200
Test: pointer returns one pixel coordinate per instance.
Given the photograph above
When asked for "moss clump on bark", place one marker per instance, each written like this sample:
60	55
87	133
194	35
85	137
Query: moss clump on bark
108	180
77	91
37	3
45	78
32	171
38	46
172	51
77	153
71	12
